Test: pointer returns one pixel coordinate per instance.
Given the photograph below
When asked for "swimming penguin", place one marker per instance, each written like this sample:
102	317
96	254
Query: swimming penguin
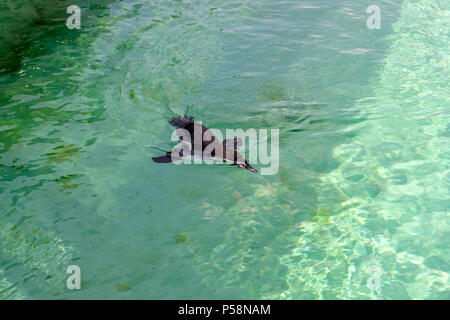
225	150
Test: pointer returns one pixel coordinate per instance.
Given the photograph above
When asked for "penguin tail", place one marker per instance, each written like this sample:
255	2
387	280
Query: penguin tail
181	122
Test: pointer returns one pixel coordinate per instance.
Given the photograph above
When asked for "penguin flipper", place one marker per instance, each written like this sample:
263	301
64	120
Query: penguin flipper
178	153
163	159
232	143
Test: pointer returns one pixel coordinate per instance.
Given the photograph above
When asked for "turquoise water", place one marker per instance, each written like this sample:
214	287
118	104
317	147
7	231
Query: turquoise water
364	150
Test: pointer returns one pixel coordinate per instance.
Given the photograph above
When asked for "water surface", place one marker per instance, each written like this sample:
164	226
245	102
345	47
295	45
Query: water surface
364	157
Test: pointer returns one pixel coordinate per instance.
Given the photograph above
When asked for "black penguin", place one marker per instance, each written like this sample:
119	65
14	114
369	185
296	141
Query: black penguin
226	149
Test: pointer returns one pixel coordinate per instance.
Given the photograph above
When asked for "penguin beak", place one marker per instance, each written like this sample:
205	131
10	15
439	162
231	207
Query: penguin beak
251	169
247	166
